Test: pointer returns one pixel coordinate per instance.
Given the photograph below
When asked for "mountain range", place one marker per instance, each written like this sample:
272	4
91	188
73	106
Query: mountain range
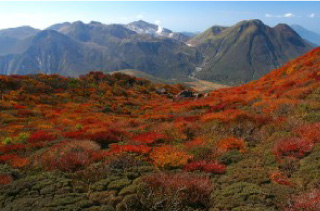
228	55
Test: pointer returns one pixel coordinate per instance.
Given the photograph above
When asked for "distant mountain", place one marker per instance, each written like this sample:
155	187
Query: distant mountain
77	48
246	51
59	26
306	34
190	34
19	32
226	55
16	40
142	27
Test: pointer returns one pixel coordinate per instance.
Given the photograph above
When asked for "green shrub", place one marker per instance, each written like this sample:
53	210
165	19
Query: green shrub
119	184
240	194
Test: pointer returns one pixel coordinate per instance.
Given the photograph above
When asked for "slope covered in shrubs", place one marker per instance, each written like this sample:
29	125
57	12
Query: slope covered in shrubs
115	142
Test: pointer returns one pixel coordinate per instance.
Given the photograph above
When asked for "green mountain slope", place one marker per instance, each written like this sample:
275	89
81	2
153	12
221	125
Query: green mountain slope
246	51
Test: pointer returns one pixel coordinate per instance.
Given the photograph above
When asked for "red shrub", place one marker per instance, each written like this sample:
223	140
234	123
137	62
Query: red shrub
206	166
183	188
306	201
197	142
71	161
75	135
25	113
100	155
149	138
293	146
310	132
13	160
6	158
41	136
19	107
280	178
67	156
12	148
5	179
139	149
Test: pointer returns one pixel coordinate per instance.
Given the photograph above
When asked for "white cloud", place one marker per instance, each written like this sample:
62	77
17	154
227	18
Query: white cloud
289	15
312	15
160	28
286	15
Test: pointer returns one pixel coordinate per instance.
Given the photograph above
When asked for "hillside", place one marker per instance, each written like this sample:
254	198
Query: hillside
246	51
195	84
111	142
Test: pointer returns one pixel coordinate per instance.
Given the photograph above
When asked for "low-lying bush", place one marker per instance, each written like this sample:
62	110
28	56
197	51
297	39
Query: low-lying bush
206	166
66	156
175	191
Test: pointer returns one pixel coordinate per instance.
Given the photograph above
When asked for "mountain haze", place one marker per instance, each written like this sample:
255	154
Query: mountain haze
306	34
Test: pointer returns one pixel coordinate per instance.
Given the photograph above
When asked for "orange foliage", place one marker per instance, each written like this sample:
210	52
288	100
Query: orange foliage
195	143
225	116
310	132
13	160
230	143
139	149
167	156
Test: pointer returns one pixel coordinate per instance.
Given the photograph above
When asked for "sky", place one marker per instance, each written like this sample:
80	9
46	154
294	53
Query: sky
177	16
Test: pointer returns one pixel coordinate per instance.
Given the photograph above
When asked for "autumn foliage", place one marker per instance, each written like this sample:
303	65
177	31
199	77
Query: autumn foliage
206	166
183	188
67	156
169	157
306	201
257	144
230	143
5	179
296	147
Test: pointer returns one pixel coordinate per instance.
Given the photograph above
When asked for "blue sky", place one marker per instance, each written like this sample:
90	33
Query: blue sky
178	16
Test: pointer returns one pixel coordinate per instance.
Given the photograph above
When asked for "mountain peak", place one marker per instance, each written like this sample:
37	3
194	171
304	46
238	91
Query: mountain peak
286	29
249	23
283	27
141	24
21	32
95	23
